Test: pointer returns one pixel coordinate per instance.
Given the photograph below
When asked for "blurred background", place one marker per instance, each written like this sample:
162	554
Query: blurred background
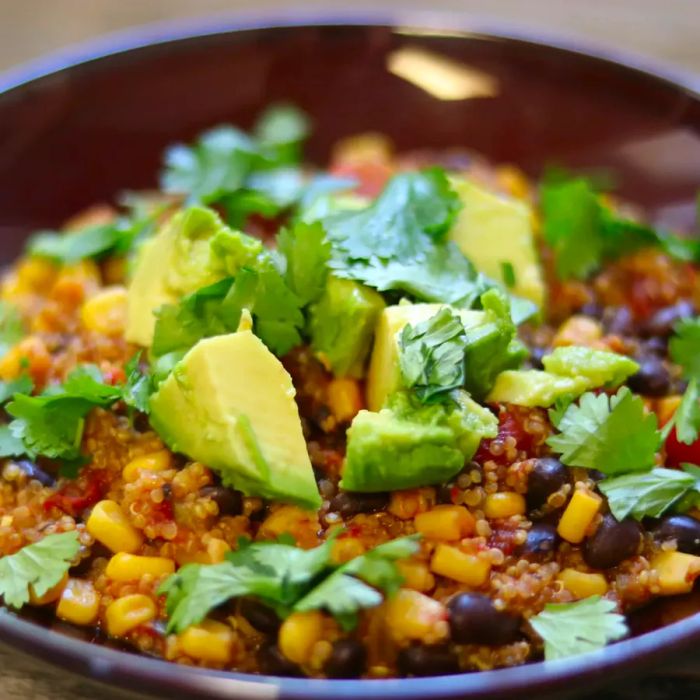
667	30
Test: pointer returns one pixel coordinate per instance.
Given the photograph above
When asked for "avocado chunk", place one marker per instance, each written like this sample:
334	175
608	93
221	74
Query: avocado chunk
192	250
229	403
493	231
341	324
384	375
404	446
569	371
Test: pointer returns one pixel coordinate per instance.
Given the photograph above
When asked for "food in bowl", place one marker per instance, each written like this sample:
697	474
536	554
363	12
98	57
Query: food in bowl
411	415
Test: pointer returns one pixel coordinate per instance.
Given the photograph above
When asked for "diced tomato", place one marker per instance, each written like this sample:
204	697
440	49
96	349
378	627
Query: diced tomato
371	176
511	423
678	452
72	500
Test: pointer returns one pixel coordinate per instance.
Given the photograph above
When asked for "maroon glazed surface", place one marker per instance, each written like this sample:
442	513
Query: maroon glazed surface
84	133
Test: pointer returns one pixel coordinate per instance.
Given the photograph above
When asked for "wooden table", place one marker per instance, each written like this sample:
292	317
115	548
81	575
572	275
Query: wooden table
667	30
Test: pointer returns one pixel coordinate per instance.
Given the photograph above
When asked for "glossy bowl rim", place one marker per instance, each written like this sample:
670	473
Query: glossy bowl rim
155	676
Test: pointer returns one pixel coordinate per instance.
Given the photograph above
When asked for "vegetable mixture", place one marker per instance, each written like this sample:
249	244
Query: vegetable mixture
412	415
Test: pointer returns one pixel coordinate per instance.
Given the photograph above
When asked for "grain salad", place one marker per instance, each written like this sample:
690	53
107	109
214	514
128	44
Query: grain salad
410	415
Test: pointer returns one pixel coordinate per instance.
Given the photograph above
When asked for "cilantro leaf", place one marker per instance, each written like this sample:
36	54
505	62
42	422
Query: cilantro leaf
570	629
431	356
10	446
138	386
687	417
612	434
647	494
572	226
11	327
40	565
306	252
21	385
282	128
684	347
94	241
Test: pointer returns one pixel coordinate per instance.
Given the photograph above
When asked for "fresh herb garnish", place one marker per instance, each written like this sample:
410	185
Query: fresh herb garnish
612	434
431	356
648	494
508	274
40	565
686	420
570	629
138	386
284	577
11	327
684	347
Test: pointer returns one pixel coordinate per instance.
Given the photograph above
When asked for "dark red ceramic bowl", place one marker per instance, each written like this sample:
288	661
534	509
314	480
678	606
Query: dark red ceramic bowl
82	126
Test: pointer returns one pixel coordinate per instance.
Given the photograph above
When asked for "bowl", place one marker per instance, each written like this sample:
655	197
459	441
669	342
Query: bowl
79	127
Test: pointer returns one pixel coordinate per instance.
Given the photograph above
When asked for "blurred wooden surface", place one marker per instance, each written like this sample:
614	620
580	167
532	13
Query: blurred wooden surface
29	28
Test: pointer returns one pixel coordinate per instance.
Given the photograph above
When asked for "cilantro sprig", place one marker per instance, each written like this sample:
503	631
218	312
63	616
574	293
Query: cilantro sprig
612	434
286	578
40	565
11	327
650	494
684	347
570	629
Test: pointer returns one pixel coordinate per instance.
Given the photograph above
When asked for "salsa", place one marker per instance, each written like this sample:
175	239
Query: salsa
409	415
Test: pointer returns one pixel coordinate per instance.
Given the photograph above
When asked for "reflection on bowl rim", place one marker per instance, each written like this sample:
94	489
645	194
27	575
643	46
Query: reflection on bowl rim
157	676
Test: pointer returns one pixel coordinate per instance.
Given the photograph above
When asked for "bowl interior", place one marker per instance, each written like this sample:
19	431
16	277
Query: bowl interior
83	134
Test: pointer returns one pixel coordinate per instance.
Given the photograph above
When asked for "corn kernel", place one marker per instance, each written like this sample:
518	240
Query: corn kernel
126	613
412	615
504	505
36	274
154	462
416	575
346	548
455	564
301	524
50	596
209	641
369	147
298	634
579	514
216	550
445	522
79	602
105	312
407	504
131	567
581	584
578	330
108	524
514	181
344	399
666	408
677	571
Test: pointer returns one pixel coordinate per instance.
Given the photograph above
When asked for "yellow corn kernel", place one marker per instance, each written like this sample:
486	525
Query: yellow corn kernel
407	504
581	584
666	408
578	330
108	524
504	505
677	571
131	567
298	634
445	522
126	613
50	596
578	516
369	147
346	548
36	274
412	615
79	602
344	399
455	564
209	641
301	524
416	575
154	462
105	312
216	550
514	181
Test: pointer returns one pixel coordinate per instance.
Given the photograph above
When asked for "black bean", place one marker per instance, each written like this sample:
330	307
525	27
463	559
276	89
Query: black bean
421	660
548	475
260	616
475	620
662	322
654	346
536	355
349	503
612	542
274	663
34	471
444	493
618	320
592	309
541	539
348	659
682	528
652	378
230	502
